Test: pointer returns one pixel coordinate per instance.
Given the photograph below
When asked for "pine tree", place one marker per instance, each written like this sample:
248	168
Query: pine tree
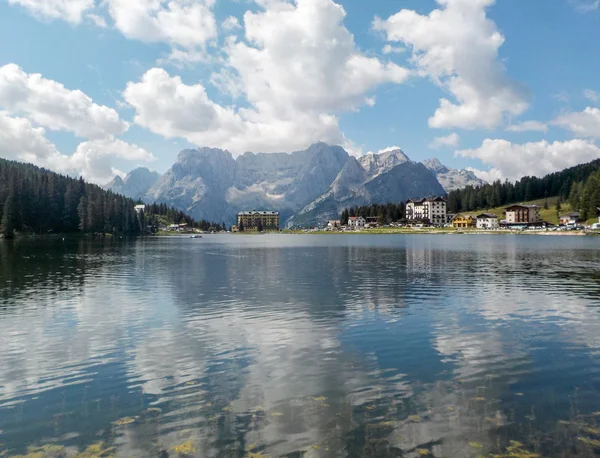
82	210
8	217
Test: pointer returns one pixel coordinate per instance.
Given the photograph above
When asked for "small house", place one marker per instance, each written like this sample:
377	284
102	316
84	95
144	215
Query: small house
331	224
464	221
372	221
357	222
139	208
570	219
487	221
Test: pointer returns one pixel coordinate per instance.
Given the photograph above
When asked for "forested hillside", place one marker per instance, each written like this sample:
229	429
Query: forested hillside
385	213
37	201
561	184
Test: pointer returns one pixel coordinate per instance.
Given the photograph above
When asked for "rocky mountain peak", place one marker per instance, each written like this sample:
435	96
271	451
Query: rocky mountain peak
383	161
435	165
452	179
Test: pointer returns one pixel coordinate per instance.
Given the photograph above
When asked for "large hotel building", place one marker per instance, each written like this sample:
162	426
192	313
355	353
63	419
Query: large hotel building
253	220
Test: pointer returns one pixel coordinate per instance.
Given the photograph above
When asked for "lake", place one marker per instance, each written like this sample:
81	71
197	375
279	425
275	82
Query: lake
301	345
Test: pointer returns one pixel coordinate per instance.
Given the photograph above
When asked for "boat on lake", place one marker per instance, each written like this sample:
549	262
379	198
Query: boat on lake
195	236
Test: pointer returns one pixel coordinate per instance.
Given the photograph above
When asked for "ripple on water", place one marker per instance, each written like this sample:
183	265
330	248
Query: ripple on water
360	346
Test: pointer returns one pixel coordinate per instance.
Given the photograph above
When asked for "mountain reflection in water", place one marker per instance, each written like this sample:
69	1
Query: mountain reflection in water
359	346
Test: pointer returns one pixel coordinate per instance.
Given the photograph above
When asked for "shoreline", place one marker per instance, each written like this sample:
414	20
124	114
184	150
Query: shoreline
448	232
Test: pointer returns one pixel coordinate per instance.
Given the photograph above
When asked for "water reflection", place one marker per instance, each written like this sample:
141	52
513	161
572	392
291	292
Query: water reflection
289	346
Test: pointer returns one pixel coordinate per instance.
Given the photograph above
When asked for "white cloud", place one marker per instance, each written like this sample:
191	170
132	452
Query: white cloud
187	25
389	149
297	68
231	23
457	47
67	10
99	21
302	57
21	140
489	176
513	161
167	106
49	104
585	123
592	96
93	159
586	6
450	140
528	126
389	49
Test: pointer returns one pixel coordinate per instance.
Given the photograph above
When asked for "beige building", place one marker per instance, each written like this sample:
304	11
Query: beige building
258	220
432	209
523	214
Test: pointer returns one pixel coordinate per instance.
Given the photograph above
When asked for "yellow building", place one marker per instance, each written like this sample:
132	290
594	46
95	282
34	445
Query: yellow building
464	221
258	220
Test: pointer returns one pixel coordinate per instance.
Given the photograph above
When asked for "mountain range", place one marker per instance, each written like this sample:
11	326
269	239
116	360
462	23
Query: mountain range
307	187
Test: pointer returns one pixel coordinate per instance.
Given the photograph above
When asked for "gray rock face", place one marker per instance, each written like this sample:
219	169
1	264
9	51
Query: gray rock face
452	179
306	187
361	183
383	162
135	184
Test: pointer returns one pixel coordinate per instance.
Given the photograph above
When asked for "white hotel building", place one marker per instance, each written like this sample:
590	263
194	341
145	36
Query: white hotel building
432	209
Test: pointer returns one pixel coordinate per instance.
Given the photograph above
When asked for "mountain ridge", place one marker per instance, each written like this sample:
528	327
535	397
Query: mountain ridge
306	186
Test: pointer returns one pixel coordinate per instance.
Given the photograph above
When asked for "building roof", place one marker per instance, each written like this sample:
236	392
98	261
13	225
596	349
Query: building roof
261	212
571	215
141	206
426	199
354	218
522	206
466	216
487	215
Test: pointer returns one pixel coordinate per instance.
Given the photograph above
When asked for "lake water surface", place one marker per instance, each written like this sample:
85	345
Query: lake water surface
283	345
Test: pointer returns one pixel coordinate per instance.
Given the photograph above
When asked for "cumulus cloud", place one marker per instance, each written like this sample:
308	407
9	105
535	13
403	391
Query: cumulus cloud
22	141
450	140
513	161
231	23
489	176
49	104
457	47
187	25
167	106
297	67
67	10
584	123
528	126
184	24
93	159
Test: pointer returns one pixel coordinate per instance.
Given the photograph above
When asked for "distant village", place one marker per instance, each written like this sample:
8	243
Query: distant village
420	213
432	212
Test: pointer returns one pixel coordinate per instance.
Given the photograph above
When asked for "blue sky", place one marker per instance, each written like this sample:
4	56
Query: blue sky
99	88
